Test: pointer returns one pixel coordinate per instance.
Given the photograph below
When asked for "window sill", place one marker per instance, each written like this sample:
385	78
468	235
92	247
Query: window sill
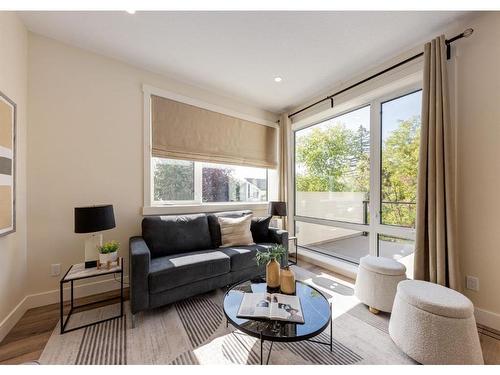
197	208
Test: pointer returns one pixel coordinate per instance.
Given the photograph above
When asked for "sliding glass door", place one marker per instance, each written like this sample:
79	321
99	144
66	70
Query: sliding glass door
332	182
355	180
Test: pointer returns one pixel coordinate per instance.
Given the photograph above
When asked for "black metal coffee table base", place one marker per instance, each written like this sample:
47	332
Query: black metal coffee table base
261	339
316	314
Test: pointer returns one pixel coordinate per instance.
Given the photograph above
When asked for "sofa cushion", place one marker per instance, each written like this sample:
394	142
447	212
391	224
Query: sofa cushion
214	227
172	271
260	228
244	256
235	231
166	235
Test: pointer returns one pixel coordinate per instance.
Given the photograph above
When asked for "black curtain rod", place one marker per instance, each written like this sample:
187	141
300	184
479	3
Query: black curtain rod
448	42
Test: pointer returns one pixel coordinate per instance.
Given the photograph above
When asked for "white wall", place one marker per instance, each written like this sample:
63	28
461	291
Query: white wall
13	83
478	121
85	147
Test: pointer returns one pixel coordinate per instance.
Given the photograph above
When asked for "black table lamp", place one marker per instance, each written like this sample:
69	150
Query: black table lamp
93	219
277	208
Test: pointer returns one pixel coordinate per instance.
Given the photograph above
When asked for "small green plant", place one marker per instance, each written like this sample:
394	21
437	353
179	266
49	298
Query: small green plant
109	247
276	252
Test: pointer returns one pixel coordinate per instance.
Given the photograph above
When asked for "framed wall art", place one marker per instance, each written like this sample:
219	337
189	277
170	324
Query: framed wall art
7	165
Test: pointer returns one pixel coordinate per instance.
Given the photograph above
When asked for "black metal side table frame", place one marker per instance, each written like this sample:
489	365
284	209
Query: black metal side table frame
64	322
294	262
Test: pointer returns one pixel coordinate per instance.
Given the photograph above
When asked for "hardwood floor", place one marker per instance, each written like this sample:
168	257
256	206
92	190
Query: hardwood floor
29	336
26	341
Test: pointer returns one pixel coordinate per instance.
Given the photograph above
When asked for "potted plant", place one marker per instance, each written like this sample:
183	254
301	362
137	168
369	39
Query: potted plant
271	259
108	253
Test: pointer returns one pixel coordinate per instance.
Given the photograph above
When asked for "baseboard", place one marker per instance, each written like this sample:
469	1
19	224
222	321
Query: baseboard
13	317
487	318
52	296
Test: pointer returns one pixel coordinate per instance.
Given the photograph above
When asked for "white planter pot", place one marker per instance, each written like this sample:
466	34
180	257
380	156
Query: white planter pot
111	257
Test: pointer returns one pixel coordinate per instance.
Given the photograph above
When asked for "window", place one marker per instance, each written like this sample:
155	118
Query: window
173	180
355	177
333	168
400	148
183	182
197	153
342	243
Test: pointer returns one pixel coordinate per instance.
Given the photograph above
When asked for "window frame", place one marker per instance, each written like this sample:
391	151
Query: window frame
375	227
198	188
294	137
175	202
150	207
382	102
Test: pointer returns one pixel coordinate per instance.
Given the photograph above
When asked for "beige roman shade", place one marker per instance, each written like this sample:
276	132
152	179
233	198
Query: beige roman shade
183	131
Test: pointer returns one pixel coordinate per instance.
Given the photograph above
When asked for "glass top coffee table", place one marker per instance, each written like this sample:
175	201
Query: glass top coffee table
316	309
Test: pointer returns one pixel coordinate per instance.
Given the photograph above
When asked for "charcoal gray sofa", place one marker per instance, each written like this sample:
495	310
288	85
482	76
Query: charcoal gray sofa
178	256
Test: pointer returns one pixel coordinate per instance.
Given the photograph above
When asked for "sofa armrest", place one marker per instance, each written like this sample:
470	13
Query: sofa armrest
278	236
140	259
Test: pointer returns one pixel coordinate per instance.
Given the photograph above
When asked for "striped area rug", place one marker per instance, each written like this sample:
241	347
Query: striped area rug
194	332
200	318
104	344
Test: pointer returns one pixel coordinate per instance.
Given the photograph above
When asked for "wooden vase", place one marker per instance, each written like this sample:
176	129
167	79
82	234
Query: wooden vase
287	281
273	274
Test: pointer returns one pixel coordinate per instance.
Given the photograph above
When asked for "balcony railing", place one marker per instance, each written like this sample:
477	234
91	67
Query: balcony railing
366	203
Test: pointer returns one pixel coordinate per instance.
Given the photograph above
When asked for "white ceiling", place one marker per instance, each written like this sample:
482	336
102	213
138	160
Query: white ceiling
238	54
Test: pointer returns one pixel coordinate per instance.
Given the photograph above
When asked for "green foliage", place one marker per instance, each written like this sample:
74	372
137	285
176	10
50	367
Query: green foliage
336	159
109	247
399	173
276	252
174	182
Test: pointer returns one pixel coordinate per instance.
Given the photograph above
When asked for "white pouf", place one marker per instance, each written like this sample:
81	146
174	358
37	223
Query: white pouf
377	281
434	325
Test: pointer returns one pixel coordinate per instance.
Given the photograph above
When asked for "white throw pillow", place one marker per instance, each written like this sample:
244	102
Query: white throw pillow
235	231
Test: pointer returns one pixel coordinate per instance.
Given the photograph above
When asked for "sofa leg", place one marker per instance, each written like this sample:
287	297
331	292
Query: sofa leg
373	310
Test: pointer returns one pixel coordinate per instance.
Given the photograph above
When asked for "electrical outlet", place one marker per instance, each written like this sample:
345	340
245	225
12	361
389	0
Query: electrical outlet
55	269
472	283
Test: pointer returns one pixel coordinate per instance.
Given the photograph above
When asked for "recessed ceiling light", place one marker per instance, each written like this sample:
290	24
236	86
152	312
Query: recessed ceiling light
278	79
130	11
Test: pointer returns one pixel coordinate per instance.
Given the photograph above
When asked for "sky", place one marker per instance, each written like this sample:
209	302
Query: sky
402	108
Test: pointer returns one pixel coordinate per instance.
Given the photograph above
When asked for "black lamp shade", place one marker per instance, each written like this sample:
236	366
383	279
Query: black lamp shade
277	208
94	219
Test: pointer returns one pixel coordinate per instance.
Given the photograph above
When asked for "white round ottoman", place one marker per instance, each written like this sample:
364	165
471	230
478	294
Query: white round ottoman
376	282
434	325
